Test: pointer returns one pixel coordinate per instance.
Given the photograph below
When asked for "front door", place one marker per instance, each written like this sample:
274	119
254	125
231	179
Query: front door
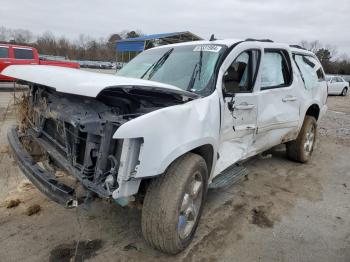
239	113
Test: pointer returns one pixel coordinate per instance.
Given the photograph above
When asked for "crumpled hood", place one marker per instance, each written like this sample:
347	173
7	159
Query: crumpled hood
79	82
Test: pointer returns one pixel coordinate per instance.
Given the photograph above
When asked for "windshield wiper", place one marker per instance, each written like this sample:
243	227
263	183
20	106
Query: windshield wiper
156	65
197	70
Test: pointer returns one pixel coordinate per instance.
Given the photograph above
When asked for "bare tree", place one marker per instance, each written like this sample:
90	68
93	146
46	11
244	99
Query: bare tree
22	36
312	46
5	34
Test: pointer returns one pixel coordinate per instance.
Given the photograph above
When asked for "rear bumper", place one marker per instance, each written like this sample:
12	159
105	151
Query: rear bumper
42	179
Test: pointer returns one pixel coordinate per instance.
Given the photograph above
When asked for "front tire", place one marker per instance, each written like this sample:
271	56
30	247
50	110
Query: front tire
301	149
345	91
173	204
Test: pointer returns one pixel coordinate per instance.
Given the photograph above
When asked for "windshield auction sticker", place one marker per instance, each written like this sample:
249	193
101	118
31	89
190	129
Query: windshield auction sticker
207	48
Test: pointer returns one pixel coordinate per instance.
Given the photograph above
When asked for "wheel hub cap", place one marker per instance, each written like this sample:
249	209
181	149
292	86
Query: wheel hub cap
191	203
309	141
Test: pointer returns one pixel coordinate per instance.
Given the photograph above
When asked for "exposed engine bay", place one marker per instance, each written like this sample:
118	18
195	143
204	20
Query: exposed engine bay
74	133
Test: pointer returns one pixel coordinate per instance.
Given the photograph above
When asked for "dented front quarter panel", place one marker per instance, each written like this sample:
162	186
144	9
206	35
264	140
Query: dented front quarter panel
172	131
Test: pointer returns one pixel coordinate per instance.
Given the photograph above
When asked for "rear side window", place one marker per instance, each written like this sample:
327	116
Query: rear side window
23	53
4	52
310	69
276	70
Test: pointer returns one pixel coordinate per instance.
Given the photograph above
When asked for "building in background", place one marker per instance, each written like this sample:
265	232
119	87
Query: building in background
127	49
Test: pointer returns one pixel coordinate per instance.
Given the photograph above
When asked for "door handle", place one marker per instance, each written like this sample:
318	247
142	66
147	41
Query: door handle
289	99
245	107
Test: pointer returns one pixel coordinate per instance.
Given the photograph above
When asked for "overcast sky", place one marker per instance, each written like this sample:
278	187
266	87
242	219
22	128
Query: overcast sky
281	20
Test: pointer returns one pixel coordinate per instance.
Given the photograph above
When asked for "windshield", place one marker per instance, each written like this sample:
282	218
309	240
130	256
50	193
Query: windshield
189	67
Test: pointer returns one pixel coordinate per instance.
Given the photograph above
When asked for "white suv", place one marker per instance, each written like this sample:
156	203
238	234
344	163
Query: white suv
172	123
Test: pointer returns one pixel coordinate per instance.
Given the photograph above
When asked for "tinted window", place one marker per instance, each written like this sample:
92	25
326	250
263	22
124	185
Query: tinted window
240	76
22	53
310	69
4	52
339	79
276	70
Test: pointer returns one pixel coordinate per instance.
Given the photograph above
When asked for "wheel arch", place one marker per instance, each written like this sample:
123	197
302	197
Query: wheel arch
207	152
313	110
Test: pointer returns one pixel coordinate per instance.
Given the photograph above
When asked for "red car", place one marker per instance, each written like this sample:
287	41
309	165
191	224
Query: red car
23	55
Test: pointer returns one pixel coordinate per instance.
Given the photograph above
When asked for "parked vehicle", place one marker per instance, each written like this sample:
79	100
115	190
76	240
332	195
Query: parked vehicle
174	121
346	78
119	65
25	55
337	85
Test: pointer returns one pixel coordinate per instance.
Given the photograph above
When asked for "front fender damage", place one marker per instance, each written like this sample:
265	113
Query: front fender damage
162	136
75	134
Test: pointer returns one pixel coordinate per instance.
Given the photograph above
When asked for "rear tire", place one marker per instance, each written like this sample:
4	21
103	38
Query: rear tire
173	204
344	92
301	149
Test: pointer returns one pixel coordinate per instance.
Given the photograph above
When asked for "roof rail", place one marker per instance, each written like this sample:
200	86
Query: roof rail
259	40
298	46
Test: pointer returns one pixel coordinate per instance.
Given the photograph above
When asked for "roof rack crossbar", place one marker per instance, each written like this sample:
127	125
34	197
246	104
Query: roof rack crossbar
298	46
259	40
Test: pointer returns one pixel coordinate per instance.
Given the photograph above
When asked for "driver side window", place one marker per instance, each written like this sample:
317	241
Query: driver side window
240	76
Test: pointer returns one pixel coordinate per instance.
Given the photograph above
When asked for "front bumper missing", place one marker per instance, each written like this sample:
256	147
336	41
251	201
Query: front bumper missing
45	181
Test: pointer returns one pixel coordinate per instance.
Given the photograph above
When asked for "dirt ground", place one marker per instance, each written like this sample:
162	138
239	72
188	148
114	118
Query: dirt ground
283	211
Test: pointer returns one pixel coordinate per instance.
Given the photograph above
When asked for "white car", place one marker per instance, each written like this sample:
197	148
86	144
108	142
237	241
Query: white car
172	123
337	85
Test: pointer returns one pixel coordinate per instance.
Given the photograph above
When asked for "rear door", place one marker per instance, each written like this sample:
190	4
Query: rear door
340	84
24	56
332	86
278	100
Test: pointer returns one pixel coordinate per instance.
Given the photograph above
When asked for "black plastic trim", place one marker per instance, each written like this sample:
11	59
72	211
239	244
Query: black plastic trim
43	180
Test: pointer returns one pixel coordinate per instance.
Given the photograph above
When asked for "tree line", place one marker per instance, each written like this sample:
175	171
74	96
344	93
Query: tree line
83	48
103	49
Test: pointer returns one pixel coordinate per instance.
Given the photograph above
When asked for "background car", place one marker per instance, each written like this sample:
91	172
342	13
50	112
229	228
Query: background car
27	55
337	85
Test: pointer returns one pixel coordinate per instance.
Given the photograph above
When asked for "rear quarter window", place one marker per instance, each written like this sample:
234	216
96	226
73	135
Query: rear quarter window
4	52
23	53
310	69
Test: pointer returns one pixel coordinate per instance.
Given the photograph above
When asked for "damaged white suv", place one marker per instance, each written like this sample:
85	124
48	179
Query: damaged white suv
172	123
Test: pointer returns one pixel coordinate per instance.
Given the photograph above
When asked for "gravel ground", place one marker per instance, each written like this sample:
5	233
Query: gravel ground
284	211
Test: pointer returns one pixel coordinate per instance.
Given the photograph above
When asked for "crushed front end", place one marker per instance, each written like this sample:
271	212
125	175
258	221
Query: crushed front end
59	131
